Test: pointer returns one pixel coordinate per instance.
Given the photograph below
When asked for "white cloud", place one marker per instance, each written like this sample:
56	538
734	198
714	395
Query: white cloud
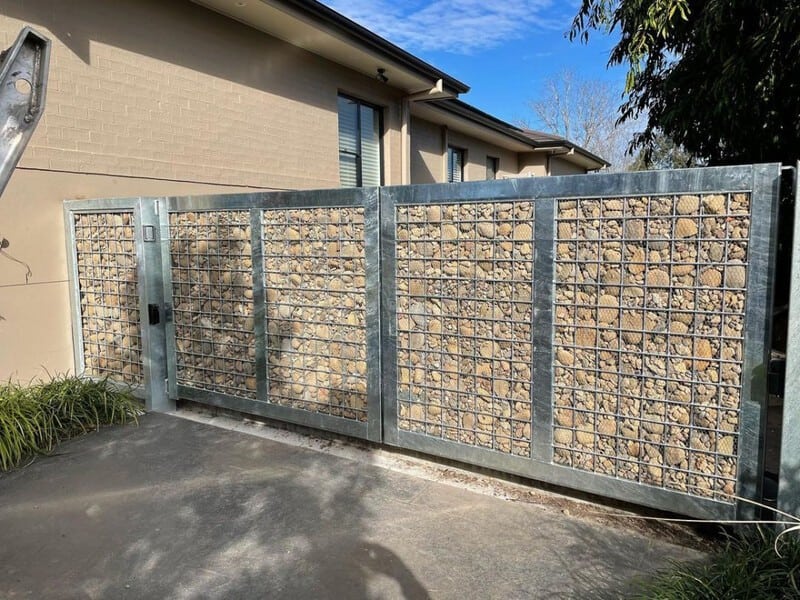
458	26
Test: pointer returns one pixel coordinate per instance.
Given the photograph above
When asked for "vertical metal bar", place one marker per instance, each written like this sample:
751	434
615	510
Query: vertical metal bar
74	291
542	331
259	302
789	486
758	324
388	321
169	325
151	291
373	305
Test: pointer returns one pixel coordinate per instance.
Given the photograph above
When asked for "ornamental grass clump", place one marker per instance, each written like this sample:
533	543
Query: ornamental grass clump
35	418
751	565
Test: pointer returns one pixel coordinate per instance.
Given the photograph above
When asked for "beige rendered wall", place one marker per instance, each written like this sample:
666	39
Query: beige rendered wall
532	164
429	143
148	97
427	152
559	166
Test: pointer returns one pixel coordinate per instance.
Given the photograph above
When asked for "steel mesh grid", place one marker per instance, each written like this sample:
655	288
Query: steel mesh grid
315	279
464	312
648	338
105	255
212	289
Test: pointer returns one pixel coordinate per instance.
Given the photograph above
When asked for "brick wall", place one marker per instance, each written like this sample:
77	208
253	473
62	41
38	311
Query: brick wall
156	97
174	91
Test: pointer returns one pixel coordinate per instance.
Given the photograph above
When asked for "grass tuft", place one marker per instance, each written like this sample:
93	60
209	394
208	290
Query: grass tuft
747	567
34	419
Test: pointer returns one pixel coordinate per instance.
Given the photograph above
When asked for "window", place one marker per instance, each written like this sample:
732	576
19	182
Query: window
359	143
455	165
492	166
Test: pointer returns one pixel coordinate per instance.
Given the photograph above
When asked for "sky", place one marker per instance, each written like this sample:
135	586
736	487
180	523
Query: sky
503	49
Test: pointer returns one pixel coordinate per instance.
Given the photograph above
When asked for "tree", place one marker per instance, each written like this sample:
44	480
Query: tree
721	78
664	154
585	112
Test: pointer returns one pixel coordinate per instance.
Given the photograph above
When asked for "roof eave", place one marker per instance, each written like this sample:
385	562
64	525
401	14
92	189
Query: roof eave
352	31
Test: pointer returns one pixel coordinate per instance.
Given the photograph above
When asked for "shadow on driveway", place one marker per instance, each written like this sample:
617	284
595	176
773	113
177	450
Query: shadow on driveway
179	509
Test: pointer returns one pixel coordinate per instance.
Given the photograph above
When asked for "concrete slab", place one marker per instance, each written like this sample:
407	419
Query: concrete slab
179	509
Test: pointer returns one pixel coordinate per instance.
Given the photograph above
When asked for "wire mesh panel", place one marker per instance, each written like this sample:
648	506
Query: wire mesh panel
316	288
106	269
464	313
212	292
648	338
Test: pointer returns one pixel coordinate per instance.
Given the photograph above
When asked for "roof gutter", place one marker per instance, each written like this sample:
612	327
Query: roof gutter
570	149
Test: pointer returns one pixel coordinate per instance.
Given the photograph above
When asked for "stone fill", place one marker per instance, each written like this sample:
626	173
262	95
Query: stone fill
648	338
212	288
315	274
105	254
464	314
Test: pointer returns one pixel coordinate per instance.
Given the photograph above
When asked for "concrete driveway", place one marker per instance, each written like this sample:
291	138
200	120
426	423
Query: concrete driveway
179	509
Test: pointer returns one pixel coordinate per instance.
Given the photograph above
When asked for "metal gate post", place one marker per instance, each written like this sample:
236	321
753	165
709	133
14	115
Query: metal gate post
259	302
542	330
153	316
789	485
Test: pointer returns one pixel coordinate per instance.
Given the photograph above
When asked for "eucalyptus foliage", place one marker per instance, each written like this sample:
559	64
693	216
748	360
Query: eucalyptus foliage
720	78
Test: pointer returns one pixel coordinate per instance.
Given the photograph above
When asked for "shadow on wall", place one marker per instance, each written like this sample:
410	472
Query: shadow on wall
180	33
207	515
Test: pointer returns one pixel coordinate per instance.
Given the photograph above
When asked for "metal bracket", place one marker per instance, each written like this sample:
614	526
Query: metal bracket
23	83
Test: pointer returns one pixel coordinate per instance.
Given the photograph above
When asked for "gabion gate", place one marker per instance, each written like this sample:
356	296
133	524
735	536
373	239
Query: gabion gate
608	333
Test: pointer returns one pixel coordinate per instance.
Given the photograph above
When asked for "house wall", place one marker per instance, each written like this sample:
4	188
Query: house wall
532	164
429	143
427	152
477	151
559	166
149	97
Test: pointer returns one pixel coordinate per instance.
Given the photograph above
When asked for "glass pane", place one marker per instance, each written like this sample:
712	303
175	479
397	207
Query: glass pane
455	165
370	147
348	170
348	125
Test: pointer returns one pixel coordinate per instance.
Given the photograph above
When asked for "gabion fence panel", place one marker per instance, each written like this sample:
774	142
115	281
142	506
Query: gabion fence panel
212	296
315	278
274	306
464	310
615	342
608	333
648	338
108	296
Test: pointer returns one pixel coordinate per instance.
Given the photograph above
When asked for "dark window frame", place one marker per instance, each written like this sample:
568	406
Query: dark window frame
452	150
358	156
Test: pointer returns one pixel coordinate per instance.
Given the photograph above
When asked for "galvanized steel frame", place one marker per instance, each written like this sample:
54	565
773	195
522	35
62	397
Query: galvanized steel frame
761	181
148	260
789	484
161	389
366	198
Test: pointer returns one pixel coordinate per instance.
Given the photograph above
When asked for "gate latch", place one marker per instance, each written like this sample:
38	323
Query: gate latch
776	377
153	316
